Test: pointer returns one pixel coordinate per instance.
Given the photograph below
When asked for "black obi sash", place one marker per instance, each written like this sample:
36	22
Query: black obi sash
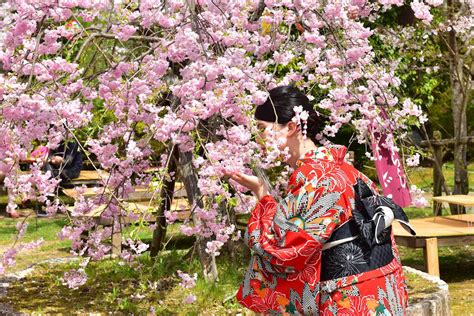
363	243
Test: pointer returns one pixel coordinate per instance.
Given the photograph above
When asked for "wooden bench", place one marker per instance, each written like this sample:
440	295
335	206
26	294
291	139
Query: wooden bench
137	202
140	193
89	177
86	177
97	215
436	231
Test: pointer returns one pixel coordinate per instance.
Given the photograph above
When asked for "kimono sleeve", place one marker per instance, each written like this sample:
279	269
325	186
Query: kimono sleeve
273	234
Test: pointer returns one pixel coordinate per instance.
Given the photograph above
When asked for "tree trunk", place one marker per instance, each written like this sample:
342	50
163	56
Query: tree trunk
461	184
194	195
166	196
229	212
438	178
459	105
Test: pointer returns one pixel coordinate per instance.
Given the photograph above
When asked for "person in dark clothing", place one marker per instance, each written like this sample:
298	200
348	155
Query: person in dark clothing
65	161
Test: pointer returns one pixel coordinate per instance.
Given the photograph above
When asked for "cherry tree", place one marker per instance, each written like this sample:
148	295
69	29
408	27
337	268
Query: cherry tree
172	85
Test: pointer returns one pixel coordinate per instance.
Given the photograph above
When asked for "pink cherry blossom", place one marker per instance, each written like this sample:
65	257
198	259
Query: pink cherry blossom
74	278
413	161
422	11
187	281
191	298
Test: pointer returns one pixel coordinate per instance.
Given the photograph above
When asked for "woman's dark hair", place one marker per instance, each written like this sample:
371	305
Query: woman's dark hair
281	102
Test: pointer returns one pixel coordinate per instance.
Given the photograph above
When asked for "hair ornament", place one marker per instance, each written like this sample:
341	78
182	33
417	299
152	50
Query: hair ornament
301	118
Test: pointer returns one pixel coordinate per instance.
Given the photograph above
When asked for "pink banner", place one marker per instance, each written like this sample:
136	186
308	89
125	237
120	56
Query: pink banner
390	172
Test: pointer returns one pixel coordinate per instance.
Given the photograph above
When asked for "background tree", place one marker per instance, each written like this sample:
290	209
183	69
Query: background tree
434	61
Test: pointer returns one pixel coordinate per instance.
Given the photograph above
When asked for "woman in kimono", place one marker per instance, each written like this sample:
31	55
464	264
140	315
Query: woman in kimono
308	256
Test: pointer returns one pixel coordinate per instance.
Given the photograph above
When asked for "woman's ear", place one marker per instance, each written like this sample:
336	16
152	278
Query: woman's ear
293	129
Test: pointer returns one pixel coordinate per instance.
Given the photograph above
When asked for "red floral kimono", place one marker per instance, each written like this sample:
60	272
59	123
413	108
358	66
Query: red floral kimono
287	237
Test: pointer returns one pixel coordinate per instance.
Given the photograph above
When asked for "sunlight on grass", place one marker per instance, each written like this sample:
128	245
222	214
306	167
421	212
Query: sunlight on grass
423	177
46	228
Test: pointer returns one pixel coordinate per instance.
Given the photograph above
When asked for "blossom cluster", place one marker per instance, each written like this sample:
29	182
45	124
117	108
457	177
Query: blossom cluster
121	77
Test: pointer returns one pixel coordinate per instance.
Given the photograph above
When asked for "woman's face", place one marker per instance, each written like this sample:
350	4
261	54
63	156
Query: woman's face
270	133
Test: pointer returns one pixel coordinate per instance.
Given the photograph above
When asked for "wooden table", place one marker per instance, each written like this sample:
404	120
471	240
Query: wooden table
436	231
459	200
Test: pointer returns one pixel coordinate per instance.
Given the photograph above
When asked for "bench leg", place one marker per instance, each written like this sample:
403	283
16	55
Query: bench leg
438	208
431	256
116	239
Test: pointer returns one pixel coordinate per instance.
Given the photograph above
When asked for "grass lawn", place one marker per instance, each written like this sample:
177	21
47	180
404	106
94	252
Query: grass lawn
456	268
46	228
423	177
150	285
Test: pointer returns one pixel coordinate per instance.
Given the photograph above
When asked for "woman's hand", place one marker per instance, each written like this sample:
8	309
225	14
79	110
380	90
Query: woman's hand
57	160
253	183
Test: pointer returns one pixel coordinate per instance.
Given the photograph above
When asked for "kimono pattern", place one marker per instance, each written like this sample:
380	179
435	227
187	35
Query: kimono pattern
286	239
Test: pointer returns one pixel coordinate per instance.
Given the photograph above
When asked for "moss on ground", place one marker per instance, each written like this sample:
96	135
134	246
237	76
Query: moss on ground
115	287
418	288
